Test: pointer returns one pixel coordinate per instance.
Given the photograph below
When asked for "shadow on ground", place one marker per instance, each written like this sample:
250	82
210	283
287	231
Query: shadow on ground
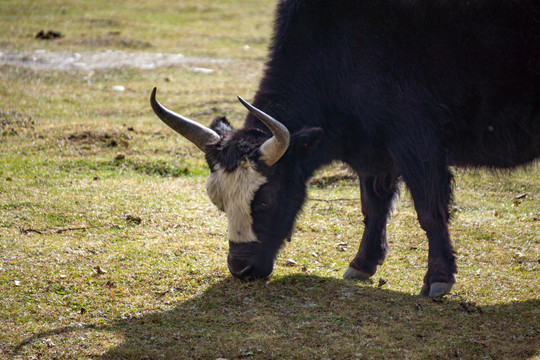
305	316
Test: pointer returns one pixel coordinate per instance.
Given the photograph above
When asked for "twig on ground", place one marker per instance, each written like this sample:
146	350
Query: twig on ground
56	231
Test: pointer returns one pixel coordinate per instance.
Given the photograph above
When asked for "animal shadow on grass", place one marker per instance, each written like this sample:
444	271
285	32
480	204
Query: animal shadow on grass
303	316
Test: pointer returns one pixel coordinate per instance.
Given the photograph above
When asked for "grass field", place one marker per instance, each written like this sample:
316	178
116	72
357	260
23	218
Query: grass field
110	248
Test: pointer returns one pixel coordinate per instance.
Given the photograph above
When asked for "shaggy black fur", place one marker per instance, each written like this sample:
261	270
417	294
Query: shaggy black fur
400	89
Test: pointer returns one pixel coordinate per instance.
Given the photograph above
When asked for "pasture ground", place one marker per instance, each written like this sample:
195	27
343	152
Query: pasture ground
110	249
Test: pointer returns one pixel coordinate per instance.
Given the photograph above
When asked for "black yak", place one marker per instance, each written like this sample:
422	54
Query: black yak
397	89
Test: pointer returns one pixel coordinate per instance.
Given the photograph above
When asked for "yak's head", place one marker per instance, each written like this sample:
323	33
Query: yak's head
255	179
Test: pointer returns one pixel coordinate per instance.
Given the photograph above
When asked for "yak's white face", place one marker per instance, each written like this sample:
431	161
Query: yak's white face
233	193
237	186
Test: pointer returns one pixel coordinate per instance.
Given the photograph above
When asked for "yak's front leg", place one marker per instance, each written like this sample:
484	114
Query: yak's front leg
377	195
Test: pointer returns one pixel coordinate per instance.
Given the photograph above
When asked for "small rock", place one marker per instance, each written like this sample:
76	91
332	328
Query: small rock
202	70
291	262
118	88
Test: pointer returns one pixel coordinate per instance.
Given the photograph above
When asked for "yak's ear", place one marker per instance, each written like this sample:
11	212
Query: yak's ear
221	125
304	140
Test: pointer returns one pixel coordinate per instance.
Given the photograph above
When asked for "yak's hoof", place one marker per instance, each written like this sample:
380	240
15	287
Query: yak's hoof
437	289
352	273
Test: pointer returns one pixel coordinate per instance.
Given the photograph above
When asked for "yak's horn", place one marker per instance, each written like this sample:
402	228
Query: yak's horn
272	149
193	131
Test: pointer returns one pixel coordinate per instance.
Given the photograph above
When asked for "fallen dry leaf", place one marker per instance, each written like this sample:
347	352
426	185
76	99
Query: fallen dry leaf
99	270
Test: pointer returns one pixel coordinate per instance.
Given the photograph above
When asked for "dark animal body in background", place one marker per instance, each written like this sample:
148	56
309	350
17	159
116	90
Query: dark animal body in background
398	90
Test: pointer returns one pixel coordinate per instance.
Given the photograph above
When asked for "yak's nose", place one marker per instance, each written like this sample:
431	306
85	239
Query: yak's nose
248	268
240	269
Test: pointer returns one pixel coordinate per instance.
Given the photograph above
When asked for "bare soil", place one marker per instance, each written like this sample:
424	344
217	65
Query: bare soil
90	60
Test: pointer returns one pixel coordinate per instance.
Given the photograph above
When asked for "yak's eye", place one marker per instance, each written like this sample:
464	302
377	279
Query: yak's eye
264	204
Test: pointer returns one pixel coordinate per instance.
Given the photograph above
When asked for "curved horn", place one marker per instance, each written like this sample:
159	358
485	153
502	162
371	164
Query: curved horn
272	149
193	131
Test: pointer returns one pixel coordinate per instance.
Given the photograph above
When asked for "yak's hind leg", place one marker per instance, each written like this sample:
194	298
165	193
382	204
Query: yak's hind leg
429	180
377	195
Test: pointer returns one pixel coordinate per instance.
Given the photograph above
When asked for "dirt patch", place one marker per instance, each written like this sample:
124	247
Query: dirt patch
14	123
100	138
58	60
112	39
48	35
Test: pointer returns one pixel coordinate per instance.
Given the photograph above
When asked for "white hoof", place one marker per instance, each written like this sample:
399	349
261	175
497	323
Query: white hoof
352	273
437	289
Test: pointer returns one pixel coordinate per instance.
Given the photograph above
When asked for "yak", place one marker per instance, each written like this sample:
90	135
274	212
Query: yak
400	90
